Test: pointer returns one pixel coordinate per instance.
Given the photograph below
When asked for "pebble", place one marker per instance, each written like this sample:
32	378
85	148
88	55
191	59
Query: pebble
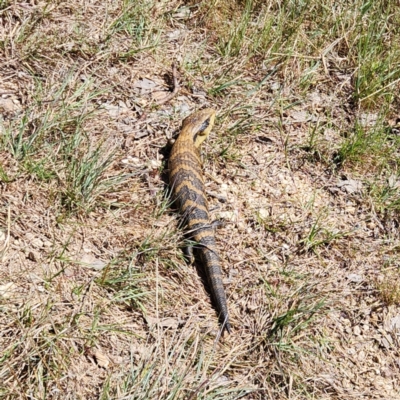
263	213
37	243
34	256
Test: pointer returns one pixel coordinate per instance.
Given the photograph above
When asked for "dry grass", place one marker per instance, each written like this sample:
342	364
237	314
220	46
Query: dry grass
96	300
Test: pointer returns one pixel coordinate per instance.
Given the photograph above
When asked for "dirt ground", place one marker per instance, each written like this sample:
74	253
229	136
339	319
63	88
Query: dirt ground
96	299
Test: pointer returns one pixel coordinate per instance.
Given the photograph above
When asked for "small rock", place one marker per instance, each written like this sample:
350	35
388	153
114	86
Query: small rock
357	330
242	227
263	213
351	351
371	225
361	355
33	256
38	243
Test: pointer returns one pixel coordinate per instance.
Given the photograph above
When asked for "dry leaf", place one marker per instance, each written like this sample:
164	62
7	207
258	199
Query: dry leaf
350	186
145	85
101	359
159	94
90	261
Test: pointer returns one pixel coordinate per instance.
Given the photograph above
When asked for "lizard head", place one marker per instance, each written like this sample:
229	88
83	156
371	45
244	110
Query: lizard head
199	124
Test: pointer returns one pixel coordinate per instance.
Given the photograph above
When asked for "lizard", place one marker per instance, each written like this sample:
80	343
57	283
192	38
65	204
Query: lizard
188	191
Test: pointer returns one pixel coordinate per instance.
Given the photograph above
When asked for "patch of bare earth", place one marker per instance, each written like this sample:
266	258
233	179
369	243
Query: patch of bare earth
96	300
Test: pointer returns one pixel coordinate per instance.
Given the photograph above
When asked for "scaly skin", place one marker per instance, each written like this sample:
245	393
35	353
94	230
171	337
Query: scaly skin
187	184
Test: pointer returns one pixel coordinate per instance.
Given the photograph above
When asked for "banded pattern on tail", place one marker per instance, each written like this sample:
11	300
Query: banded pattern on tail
188	190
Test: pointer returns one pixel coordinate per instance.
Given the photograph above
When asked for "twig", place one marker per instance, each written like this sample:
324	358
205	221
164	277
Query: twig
175	90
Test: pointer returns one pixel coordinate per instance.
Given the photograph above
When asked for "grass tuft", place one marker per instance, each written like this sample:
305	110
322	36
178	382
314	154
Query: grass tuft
389	289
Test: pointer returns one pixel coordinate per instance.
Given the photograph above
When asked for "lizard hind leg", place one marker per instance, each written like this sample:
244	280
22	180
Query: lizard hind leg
187	249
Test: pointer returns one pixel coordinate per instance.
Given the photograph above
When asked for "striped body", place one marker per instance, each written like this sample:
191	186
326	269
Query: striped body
188	191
